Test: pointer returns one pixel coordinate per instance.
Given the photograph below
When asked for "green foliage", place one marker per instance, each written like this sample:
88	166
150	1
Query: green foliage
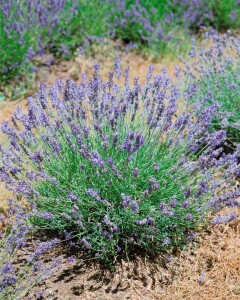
76	176
87	25
223	88
227	14
13	51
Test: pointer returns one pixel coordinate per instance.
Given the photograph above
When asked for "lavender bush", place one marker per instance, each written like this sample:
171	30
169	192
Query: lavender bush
153	24
111	166
192	14
147	26
212	74
26	29
134	23
197	14
226	14
21	261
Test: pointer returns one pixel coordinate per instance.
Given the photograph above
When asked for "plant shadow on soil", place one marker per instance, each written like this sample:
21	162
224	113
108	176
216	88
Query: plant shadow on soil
215	255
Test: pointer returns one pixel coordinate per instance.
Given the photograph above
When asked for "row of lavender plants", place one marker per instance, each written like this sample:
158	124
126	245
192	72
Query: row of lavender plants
115	168
29	28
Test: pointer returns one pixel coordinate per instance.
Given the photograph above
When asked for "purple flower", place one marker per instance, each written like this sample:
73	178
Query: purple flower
135	172
70	259
115	138
134	206
149	221
73	197
96	159
201	278
45	215
189	217
7	275
152	180
1	217
191	236
56	148
128	203
166	241
85	243
233	14
141	222
185	204
43	248
224	219
117	67
66	216
94	194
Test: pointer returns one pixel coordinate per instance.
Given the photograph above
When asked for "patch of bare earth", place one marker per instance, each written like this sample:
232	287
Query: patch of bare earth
209	269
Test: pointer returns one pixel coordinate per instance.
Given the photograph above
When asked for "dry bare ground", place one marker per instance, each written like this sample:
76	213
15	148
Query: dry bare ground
209	269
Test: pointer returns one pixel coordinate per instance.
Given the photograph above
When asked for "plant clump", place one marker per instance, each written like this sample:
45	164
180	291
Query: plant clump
212	76
115	166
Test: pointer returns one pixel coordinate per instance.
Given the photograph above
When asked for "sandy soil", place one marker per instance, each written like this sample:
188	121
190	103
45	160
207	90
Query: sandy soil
208	270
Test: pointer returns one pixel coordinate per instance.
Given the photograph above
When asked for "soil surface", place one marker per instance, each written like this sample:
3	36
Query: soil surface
208	270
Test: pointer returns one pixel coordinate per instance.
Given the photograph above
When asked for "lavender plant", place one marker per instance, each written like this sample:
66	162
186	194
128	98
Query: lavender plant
21	263
153	24
226	14
26	28
192	14
112	167
197	14
134	23
212	77
147	26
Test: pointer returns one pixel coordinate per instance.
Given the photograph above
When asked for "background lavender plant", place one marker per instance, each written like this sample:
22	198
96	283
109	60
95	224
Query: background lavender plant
192	14
22	262
112	168
26	30
136	22
197	14
226	14
212	77
156	23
